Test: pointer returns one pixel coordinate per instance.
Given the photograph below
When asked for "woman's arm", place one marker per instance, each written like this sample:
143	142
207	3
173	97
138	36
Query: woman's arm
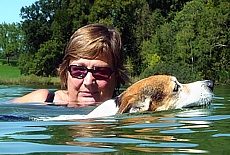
39	95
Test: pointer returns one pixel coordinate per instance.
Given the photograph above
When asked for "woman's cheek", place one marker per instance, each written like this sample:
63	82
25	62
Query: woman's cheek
74	83
102	84
107	87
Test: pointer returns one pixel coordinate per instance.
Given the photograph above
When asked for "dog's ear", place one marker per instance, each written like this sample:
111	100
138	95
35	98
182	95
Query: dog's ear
148	100
140	106
133	103
118	100
123	103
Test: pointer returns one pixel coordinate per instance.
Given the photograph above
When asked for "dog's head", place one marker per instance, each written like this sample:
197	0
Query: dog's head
162	92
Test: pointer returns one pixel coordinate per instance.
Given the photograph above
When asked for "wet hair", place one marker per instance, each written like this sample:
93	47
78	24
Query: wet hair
91	41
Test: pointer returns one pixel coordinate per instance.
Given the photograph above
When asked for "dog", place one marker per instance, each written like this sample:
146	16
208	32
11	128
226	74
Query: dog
155	93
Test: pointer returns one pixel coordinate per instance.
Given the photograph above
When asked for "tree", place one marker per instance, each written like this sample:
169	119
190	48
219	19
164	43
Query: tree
69	16
182	71
193	33
36	24
197	37
11	40
202	36
49	22
47	58
126	16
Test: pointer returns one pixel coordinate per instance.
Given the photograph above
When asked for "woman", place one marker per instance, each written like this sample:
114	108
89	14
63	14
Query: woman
92	69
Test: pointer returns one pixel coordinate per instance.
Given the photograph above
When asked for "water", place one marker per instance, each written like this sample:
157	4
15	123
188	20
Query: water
203	130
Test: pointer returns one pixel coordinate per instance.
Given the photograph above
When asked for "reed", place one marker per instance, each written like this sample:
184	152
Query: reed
31	79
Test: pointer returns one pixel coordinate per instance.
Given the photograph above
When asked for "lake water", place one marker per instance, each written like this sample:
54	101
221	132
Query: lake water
203	130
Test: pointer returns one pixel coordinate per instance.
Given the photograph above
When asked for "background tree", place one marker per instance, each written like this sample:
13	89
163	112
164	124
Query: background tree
68	17
191	34
37	27
125	16
50	52
197	37
11	40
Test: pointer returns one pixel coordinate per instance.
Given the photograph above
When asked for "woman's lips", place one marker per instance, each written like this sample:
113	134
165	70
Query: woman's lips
87	93
86	97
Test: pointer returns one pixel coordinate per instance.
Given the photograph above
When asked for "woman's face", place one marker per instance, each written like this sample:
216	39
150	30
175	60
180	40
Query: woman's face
90	90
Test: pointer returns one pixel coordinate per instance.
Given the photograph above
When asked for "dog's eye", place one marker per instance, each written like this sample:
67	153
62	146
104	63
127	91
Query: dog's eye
176	87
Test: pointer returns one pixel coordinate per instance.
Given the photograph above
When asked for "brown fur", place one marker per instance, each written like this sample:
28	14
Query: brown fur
164	92
157	88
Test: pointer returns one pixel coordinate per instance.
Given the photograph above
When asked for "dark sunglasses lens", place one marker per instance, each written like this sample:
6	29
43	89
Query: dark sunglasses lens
78	71
99	73
102	73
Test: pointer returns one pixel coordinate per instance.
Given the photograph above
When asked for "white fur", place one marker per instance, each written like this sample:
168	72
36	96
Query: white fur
194	94
107	108
140	106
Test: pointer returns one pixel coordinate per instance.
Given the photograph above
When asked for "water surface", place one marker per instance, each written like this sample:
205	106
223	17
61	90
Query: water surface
203	130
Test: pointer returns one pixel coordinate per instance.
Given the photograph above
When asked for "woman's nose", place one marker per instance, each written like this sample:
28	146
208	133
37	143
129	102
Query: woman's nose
89	79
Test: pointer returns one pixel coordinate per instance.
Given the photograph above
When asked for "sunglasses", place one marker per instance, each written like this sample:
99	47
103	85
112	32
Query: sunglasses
99	73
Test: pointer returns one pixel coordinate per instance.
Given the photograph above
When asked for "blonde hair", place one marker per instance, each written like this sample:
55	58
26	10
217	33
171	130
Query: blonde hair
91	41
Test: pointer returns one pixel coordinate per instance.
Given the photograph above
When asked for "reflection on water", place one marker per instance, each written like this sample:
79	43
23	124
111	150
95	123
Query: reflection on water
187	131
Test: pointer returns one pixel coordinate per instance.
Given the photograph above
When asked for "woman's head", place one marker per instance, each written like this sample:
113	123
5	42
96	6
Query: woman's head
91	42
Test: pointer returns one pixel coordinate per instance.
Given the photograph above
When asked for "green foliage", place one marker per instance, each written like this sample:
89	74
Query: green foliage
44	62
149	55
11	40
47	59
37	23
25	63
183	72
198	37
192	33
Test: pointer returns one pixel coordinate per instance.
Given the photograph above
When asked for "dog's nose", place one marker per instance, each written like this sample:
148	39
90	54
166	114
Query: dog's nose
210	84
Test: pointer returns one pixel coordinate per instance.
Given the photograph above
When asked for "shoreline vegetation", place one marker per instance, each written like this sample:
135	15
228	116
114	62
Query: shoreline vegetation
30	79
10	75
44	81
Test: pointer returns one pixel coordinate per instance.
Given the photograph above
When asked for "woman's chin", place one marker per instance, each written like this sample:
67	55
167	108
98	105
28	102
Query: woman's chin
85	101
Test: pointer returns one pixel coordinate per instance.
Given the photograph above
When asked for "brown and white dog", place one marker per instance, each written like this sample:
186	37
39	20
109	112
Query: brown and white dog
155	93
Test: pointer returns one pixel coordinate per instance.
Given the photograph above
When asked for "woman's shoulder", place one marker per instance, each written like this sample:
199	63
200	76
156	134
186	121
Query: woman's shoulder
39	95
61	95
